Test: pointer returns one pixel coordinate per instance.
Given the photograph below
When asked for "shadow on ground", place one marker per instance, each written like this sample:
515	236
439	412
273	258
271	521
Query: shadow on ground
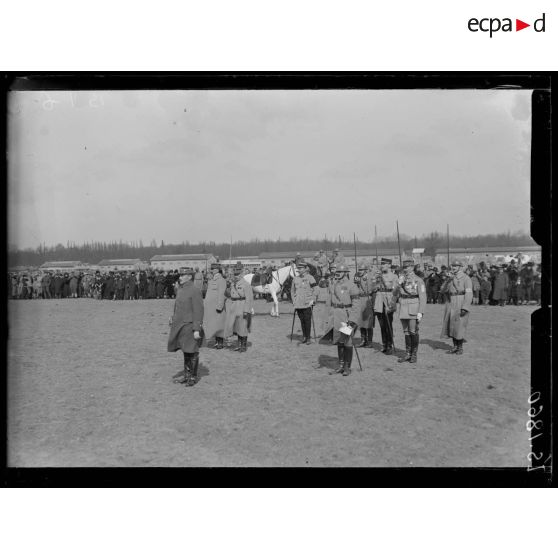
436	345
327	361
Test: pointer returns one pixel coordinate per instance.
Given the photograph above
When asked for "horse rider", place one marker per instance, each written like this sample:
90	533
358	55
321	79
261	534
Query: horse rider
214	305
186	332
304	291
410	296
322	264
364	280
338	258
385	282
344	314
239	310
458	288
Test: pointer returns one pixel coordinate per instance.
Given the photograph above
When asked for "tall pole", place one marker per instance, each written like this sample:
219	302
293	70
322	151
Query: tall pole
448	248
356	263
376	243
399	244
230	249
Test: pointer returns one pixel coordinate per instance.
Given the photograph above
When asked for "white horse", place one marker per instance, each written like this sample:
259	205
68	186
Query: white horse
278	280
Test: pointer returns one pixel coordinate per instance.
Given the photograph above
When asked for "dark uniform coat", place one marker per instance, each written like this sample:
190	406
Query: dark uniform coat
501	285
363	301
187	318
215	300
240	302
459	290
160	285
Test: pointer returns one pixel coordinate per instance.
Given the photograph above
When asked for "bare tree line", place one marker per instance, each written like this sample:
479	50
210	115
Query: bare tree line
92	252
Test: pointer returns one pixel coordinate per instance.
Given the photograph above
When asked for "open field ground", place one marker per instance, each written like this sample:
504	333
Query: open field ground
89	384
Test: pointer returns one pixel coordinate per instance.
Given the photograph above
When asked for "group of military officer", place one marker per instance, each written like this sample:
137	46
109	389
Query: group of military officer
342	307
226	311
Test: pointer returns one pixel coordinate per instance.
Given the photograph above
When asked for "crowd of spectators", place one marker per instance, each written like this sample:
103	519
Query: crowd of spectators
497	284
111	285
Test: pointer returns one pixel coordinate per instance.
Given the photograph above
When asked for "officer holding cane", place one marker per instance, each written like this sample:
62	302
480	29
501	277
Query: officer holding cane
345	317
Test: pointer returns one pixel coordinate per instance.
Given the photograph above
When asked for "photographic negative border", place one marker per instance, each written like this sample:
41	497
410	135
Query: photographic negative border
541	229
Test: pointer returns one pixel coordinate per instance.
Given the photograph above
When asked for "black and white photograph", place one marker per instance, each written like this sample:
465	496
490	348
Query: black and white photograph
268	276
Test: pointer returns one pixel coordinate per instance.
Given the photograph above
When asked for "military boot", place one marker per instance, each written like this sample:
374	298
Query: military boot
384	335
194	378
243	344
414	347
455	347
348	361
407	356
239	345
369	338
218	342
459	350
364	337
341	358
184	376
389	349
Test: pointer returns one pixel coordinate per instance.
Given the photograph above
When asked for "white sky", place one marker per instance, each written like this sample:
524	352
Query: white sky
204	165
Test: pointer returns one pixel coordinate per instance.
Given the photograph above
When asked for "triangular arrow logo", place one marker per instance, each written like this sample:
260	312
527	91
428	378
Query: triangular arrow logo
519	25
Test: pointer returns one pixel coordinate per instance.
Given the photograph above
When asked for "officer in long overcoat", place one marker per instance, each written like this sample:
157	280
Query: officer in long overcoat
342	292
214	306
410	296
321	307
239	310
364	280
458	289
186	333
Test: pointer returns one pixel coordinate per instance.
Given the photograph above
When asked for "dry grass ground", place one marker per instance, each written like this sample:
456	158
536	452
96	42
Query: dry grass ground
89	384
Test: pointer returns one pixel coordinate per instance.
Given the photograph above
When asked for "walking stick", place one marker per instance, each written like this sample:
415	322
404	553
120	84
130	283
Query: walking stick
358	358
390	329
313	324
292	328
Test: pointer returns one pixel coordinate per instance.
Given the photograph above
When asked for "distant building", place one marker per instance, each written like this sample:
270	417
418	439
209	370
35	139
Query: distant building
498	254
368	256
120	265
248	262
62	266
176	261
